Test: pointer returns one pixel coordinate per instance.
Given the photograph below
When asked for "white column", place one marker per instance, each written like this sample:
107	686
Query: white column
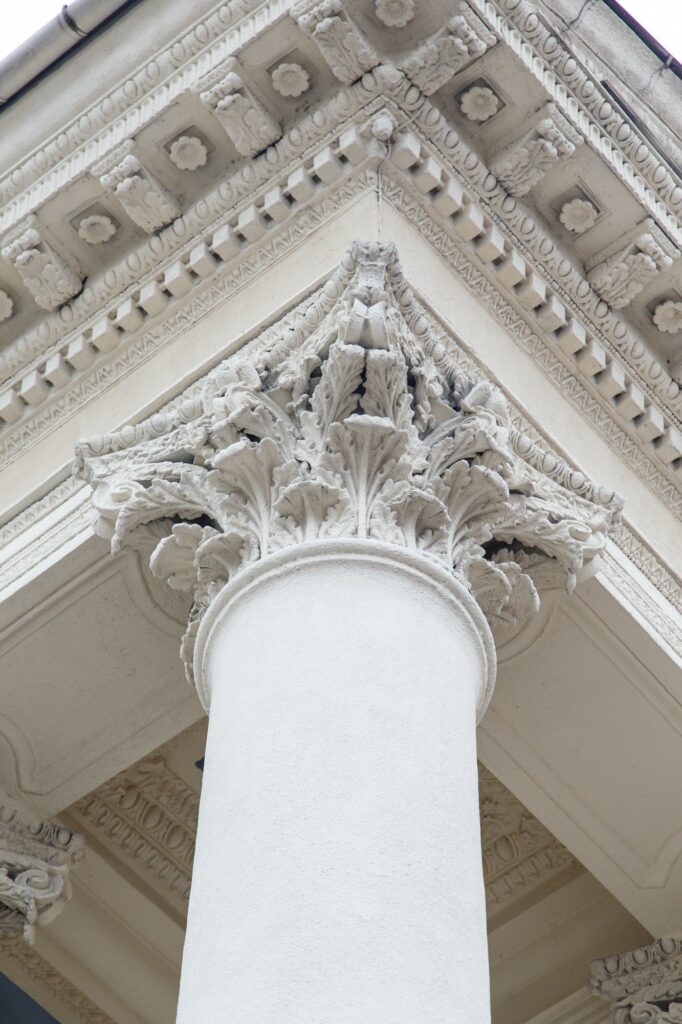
338	872
353	516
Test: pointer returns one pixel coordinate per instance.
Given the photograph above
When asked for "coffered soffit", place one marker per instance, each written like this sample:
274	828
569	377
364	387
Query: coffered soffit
250	131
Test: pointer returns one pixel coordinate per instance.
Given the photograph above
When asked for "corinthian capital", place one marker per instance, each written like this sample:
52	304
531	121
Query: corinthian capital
35	861
357	423
644	986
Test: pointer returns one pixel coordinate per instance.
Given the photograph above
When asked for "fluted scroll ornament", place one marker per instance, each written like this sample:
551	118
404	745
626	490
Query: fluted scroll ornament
35	862
357	423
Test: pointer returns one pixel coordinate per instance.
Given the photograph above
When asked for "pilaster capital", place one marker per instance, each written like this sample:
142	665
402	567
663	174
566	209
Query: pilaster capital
644	985
35	862
355	423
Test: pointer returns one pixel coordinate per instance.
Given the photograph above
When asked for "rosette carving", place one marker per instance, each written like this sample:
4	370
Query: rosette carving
354	424
35	861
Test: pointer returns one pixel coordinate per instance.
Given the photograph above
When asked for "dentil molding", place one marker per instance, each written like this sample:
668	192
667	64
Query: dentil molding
231	26
468	30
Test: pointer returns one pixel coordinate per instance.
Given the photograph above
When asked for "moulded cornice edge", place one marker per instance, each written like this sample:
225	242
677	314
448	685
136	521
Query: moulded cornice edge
520	25
97	131
363	98
573	384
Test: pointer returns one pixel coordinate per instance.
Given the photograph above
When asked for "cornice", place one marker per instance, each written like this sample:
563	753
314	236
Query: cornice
217	213
598	348
650	89
529	240
582	98
206	296
577	386
73	355
230	26
122	111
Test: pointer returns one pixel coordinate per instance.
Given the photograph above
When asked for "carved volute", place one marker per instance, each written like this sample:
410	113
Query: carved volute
35	863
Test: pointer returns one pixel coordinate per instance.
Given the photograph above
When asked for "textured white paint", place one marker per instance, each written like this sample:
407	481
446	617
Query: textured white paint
338	874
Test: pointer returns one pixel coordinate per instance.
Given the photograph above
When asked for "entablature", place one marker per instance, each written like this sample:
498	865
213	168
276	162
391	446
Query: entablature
138	207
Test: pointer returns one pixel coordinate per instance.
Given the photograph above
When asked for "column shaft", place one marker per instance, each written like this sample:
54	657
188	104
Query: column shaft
338	877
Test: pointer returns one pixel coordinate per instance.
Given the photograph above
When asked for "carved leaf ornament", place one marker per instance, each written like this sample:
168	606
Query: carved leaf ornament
35	862
644	985
355	423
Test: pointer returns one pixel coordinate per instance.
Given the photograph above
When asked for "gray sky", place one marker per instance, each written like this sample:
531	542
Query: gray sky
662	18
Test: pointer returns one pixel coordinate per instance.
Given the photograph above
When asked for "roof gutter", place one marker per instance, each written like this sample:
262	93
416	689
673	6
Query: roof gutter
666	58
75	23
